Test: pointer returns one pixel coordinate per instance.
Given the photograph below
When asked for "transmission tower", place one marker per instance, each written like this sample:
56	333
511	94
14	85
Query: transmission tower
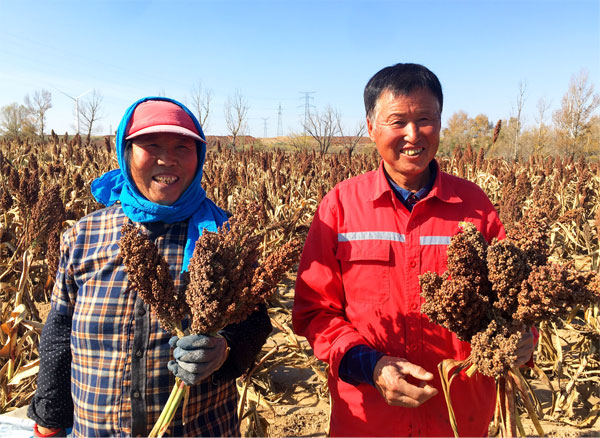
265	124
279	125
307	104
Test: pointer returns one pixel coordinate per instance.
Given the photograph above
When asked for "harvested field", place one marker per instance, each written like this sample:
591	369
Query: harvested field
286	393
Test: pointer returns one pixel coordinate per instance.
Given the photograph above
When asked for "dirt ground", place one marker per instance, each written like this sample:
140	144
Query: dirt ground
300	410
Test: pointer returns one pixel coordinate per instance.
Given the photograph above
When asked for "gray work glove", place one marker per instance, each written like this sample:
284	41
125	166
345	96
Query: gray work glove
197	357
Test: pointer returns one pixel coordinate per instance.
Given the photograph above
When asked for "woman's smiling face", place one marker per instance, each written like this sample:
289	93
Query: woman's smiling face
163	166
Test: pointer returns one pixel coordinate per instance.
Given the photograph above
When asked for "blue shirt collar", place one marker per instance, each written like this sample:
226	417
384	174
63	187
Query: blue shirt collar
406	196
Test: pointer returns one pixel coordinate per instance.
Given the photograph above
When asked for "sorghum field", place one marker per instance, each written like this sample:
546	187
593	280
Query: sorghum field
44	188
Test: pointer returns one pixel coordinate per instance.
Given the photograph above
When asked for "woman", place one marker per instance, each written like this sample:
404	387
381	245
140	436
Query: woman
104	356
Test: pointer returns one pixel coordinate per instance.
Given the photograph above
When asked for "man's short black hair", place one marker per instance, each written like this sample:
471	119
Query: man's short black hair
401	79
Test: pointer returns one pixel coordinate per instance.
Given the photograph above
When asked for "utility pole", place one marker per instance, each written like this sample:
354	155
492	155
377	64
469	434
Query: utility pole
279	125
307	105
265	124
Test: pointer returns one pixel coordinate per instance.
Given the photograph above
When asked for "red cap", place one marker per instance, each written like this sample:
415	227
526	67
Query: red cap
156	116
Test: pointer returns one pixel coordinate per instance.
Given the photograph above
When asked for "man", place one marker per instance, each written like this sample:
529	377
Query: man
357	293
106	365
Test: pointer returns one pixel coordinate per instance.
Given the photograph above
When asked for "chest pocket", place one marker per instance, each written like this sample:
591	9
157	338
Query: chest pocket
365	266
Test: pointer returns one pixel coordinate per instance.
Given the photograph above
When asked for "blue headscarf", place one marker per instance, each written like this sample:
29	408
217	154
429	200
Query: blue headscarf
117	185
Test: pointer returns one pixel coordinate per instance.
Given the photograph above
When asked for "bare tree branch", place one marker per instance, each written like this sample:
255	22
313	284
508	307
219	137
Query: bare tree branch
323	127
89	111
542	107
351	141
38	106
577	106
201	99
518	117
236	110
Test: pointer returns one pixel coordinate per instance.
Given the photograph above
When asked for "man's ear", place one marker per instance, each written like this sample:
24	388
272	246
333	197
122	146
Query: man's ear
370	129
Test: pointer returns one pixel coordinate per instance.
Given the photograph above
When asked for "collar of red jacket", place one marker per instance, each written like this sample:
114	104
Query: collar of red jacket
443	189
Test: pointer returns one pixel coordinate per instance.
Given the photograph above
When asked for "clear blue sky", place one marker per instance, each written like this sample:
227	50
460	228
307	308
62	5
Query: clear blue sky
272	51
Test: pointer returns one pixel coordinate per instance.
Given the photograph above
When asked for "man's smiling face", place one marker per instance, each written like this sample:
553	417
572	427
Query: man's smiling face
406	131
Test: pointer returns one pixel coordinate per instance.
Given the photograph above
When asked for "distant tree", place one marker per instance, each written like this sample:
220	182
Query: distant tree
462	130
201	99
577	107
350	141
38	105
236	111
541	137
89	111
593	138
480	131
517	117
323	127
455	134
299	141
15	121
505	144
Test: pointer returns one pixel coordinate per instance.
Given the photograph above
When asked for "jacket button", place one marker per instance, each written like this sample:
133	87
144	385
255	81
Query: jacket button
414	306
141	311
136	394
413	264
139	353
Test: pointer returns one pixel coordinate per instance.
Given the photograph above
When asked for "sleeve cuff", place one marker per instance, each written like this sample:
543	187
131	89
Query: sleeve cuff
357	365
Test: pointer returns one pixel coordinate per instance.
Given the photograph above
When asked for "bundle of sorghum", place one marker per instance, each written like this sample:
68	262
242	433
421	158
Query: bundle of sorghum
460	299
226	281
492	293
148	273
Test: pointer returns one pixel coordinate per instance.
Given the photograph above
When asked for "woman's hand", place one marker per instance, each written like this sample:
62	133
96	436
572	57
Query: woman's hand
197	357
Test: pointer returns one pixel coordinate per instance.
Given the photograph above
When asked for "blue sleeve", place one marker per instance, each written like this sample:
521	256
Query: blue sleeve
357	365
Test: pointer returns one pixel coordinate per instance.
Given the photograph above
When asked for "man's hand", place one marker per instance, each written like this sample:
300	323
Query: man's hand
524	349
197	357
391	376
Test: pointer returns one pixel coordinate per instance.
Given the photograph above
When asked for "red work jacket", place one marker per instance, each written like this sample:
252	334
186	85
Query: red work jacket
358	284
